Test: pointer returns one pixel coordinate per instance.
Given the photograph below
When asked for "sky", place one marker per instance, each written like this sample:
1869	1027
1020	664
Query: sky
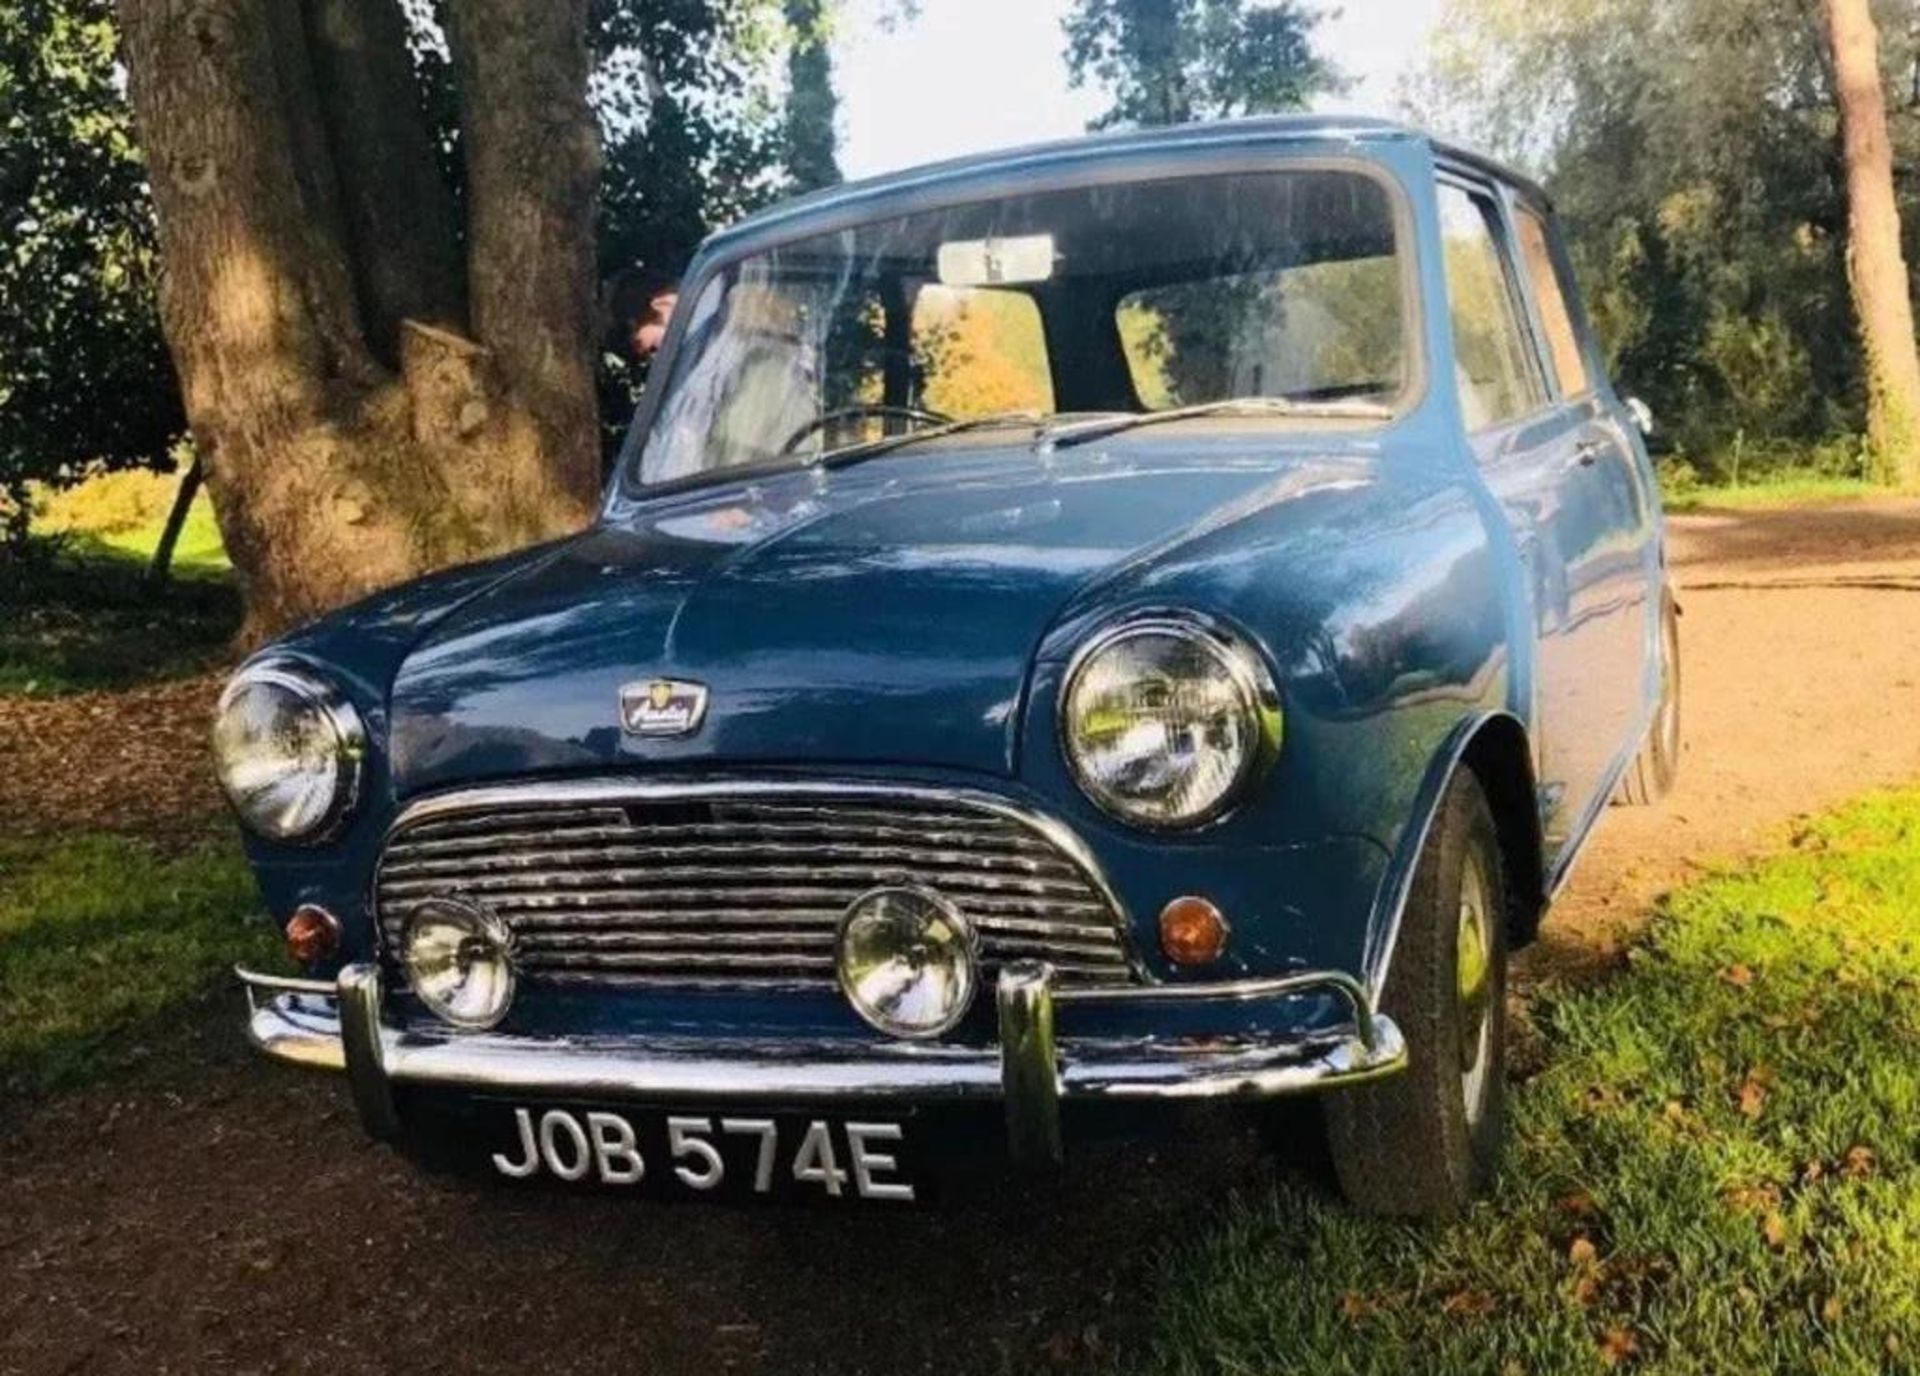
969	75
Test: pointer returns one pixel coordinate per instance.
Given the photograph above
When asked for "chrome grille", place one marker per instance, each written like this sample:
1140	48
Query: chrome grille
729	890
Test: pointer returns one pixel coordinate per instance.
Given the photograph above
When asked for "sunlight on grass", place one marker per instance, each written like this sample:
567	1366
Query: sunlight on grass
105	944
74	622
1718	1170
199	552
123	514
1786	492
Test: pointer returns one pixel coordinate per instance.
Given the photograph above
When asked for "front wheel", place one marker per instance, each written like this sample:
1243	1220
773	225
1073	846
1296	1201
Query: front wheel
1423	1143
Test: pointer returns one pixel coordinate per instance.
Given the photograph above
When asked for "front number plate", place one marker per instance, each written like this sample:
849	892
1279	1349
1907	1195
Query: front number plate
709	1153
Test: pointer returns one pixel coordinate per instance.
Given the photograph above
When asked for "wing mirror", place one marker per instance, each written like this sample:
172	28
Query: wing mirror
1657	441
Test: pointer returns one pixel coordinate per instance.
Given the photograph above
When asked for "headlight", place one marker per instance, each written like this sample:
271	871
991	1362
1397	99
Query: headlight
288	747
1165	720
907	961
459	959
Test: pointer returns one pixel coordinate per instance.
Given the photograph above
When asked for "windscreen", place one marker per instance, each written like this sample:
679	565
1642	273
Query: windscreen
1126	297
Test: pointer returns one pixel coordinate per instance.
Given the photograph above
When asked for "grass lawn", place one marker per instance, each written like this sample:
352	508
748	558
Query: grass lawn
1719	1170
107	943
1801	490
198	553
80	616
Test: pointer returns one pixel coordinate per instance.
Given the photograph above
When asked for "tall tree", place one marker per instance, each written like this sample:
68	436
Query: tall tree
1692	147
693	135
84	378
1175	61
373	391
812	107
691	122
1876	266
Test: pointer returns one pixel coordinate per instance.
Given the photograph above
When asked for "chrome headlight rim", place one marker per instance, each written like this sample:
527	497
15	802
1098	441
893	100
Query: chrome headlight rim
316	691
1253	683
970	975
487	924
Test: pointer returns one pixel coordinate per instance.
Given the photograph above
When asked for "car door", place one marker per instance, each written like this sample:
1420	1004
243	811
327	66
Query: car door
1611	543
1560	469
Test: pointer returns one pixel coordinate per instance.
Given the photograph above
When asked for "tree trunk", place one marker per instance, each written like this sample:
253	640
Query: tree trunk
356	430
1876	266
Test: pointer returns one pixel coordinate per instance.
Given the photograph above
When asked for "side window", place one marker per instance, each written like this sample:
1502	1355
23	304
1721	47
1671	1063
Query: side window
1569	362
980	352
1330	330
1493	366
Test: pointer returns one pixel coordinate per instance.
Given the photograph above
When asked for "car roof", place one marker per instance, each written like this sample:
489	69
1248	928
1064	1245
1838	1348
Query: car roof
1277	130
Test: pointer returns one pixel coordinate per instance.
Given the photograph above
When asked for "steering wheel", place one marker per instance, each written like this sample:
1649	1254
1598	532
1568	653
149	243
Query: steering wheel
858	410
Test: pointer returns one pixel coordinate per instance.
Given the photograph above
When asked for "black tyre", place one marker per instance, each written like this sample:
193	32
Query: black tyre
1650	777
1422	1143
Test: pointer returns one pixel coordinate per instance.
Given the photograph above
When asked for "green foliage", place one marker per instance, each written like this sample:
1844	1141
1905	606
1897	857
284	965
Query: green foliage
1691	146
1175	61
812	106
1717	1170
694	136
84	377
690	118
105	941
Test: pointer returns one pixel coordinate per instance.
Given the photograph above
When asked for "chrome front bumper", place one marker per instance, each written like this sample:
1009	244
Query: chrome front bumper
338	1026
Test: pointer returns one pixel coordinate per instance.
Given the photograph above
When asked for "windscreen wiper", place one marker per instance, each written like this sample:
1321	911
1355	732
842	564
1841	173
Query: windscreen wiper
1070	436
873	449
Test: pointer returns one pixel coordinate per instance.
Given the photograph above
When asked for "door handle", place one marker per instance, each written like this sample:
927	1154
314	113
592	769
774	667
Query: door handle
1588	452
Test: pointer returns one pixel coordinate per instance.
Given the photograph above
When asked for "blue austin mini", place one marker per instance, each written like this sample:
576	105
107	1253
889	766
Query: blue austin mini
1149	618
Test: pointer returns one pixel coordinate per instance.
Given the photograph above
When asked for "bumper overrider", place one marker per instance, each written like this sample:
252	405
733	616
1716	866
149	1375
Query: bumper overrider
340	1025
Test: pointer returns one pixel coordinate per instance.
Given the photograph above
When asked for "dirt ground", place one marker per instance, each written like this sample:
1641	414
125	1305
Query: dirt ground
217	1215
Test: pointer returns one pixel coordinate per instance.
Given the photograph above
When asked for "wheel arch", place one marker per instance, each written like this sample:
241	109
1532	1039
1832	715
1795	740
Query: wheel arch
1501	758
1496	748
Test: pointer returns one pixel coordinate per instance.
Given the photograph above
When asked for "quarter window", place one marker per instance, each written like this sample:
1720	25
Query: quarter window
1493	366
1563	341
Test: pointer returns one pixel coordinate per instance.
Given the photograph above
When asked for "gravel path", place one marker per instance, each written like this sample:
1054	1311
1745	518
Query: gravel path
219	1215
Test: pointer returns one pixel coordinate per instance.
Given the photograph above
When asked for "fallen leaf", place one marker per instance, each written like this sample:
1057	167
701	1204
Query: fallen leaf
1774	1229
1739	976
1752	1198
1859	1163
1580	1204
1753	1091
1617	1345
1469	1302
1583	1252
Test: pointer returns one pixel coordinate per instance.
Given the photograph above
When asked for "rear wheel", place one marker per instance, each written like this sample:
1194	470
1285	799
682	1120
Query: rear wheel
1650	777
1422	1143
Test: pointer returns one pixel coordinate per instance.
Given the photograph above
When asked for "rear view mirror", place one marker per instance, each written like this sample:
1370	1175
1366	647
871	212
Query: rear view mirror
996	262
